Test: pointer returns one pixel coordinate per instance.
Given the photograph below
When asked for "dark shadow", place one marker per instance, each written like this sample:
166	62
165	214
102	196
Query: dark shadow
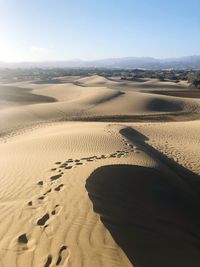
150	217
192	179
22	96
153	215
179	93
131	133
164	105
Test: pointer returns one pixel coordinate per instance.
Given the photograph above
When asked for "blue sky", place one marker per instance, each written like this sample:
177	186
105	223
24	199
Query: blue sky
37	30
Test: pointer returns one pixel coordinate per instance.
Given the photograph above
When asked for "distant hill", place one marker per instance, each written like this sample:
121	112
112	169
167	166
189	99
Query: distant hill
191	62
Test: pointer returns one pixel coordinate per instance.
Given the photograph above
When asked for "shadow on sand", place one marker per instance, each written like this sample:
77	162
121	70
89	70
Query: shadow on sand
152	215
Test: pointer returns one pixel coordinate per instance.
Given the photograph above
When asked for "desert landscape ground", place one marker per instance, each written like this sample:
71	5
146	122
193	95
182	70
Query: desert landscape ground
99	171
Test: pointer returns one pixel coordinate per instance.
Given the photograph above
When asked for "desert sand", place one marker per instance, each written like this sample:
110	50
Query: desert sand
99	172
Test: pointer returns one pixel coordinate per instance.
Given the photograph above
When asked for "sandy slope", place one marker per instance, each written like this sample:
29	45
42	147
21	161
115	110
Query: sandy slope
142	178
16	96
152	213
71	221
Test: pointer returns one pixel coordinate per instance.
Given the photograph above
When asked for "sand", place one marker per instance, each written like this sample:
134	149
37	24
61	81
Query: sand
94	173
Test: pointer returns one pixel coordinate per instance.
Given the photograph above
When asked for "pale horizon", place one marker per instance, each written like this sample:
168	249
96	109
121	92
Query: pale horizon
97	59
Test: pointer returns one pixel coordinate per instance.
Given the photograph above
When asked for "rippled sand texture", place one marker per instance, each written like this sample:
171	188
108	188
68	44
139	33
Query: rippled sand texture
116	187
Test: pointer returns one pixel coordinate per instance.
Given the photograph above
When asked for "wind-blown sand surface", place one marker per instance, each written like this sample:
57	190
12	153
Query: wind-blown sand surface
106	189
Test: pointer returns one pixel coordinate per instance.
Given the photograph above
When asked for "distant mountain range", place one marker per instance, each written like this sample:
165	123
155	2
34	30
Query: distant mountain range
191	62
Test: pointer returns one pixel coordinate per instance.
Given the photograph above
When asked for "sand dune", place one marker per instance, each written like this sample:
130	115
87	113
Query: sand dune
92	103
94	80
118	193
16	96
51	192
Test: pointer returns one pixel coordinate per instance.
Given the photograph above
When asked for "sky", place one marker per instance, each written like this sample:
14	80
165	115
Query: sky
46	30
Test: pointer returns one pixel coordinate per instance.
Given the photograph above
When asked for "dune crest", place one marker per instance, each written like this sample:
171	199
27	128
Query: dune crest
152	213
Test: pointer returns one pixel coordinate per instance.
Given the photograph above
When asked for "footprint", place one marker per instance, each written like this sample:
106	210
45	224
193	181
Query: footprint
56	211
49	261
41	198
69	161
22	239
63	165
55	177
58	162
30	203
54	169
53	212
58	188
47	192
60	255
40	183
68	167
43	220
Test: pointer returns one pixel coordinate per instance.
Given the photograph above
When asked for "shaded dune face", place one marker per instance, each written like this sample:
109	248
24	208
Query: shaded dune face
164	105
150	217
22	96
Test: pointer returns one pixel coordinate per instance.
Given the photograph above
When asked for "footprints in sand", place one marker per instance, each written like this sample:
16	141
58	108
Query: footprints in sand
132	148
73	163
62	167
48	215
55	183
70	163
59	258
52	186
63	256
41	198
126	145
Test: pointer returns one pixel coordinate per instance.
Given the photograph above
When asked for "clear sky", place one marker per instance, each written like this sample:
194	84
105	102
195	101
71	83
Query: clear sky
38	30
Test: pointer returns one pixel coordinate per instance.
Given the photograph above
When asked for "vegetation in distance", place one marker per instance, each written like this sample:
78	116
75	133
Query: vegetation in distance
137	75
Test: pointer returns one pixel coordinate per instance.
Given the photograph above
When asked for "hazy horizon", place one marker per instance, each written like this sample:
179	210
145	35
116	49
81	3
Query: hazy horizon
99	59
86	30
